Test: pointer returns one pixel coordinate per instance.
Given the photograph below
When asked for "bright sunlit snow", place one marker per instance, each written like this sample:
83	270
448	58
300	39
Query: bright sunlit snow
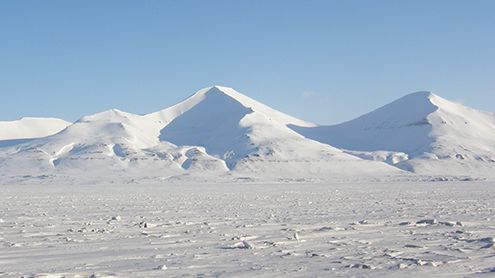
217	134
269	230
357	139
222	185
422	133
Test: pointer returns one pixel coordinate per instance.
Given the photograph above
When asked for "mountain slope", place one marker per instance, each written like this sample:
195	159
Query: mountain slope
95	147
215	134
169	114
420	132
27	128
254	139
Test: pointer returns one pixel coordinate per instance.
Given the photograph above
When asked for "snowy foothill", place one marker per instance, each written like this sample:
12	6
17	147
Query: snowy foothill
27	128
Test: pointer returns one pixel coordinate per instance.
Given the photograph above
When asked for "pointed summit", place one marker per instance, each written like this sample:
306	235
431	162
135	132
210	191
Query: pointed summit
402	125
230	92
219	89
220	95
243	132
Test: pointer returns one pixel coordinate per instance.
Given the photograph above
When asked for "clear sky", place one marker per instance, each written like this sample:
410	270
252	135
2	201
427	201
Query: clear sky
323	61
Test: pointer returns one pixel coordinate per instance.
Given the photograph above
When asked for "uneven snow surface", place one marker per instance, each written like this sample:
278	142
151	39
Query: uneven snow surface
221	185
227	230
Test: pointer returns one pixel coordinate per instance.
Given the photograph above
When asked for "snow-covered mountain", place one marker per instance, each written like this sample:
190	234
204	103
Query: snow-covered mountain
254	139
27	128
420	132
215	134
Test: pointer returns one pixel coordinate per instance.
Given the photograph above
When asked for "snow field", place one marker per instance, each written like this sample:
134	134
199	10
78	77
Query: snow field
269	230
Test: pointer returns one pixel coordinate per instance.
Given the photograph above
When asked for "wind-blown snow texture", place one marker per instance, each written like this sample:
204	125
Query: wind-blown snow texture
221	135
260	230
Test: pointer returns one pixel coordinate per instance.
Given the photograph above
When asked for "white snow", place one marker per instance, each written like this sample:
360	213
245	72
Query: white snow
216	134
269	230
420	132
169	114
29	127
221	135
221	185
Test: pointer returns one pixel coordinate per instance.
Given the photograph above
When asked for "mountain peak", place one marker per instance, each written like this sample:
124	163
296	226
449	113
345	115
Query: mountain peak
222	90
111	115
418	97
218	96
426	94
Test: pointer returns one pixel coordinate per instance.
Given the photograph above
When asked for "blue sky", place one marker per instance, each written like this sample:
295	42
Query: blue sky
323	61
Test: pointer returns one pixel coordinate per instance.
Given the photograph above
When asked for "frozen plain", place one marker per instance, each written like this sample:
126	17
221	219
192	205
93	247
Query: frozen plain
244	230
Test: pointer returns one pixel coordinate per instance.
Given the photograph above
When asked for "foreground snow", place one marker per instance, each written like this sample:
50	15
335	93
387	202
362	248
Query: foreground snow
369	229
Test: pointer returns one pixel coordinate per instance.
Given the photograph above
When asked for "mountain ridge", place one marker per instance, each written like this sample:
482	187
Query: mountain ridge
220	134
418	132
30	127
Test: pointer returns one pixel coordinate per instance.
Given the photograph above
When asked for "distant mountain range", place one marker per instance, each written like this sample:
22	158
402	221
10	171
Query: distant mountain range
220	135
